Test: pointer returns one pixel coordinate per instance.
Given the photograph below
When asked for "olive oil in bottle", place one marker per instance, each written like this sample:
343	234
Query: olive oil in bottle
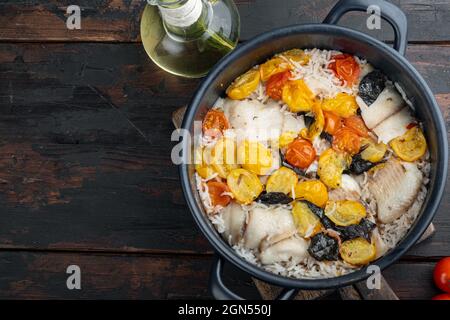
187	37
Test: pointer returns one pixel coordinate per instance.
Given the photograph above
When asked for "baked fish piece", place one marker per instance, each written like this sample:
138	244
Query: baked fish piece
388	102
394	126
251	119
264	222
282	248
394	187
233	217
349	190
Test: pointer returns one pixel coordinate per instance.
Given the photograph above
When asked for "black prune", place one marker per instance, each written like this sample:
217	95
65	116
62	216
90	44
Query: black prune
359	165
371	86
363	229
326	136
274	198
323	247
318	211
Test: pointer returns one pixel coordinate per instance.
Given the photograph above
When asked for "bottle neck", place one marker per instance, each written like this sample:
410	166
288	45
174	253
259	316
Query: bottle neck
187	19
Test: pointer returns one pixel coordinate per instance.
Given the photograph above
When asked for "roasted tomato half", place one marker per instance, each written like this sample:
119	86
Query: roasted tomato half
275	84
346	68
215	123
300	153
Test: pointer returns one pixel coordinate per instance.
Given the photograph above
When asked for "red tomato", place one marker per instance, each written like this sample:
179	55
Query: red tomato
216	190
332	122
347	140
275	84
214	123
442	296
441	274
345	68
356	123
300	153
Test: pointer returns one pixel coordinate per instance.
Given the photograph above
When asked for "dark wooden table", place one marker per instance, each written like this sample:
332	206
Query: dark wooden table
90	183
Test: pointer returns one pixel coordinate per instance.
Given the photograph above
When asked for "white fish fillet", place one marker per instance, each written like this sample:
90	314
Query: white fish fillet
251	119
388	102
266	222
380	246
394	187
394	126
234	220
349	190
289	249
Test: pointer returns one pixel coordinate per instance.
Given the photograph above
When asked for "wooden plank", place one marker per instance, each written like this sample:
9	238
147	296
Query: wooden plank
36	275
79	174
118	20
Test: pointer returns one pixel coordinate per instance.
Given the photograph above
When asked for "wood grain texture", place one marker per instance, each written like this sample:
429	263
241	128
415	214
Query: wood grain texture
118	20
111	185
110	276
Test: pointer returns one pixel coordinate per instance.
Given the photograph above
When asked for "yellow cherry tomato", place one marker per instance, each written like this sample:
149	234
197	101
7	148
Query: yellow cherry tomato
202	167
282	180
343	105
411	146
273	66
317	126
331	165
373	152
345	212
306	222
254	157
296	55
244	85
297	96
357	251
244	185
286	138
313	191
223	157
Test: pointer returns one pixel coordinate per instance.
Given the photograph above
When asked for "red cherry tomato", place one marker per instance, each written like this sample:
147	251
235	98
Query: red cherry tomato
441	274
345	68
300	153
356	123
275	84
214	123
216	190
442	296
345	139
332	122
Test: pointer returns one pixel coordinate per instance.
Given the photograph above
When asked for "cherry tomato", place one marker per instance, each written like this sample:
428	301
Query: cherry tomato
214	123
356	123
300	153
442	296
345	68
272	67
275	84
343	105
244	85
332	122
441	274
216	190
411	146
347	140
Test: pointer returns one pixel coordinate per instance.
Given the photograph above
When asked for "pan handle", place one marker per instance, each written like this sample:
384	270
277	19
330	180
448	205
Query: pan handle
389	12
221	292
